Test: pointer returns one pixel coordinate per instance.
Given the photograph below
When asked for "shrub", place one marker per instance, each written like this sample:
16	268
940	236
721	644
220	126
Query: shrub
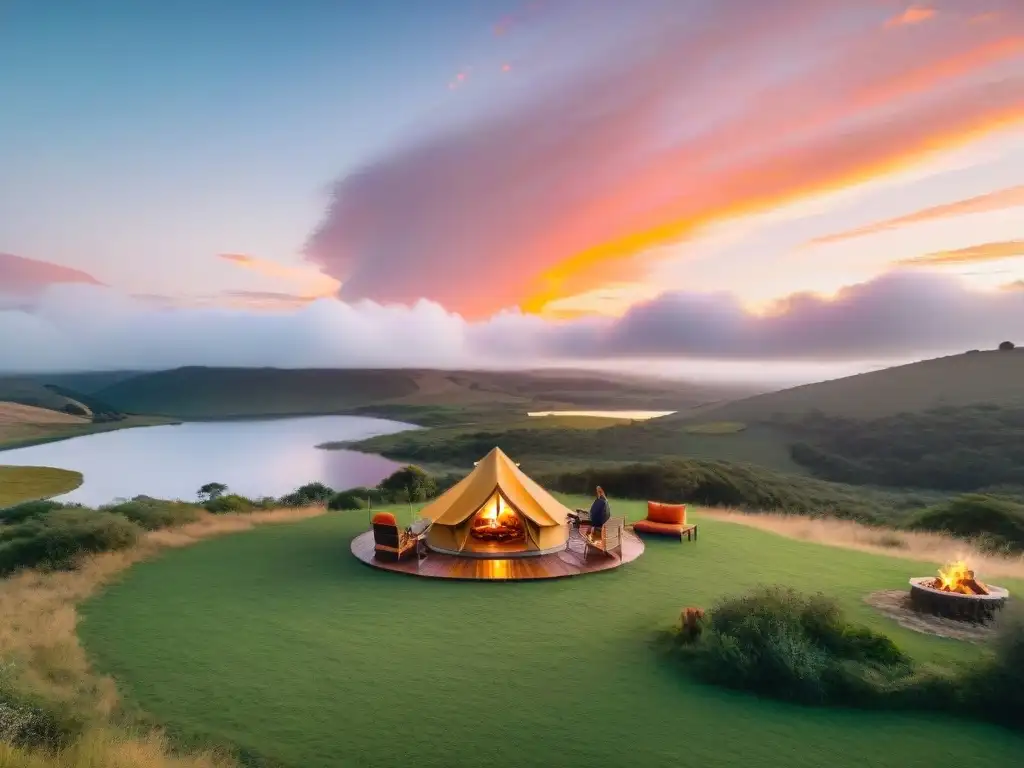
1007	346
995	686
28	510
719	483
997	522
58	539
311	493
780	643
232	502
353	499
152	514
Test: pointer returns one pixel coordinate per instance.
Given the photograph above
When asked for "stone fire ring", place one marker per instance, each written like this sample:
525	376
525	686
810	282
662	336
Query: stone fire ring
953	605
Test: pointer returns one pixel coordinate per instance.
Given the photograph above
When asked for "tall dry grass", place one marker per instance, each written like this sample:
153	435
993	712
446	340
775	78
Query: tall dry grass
38	634
934	548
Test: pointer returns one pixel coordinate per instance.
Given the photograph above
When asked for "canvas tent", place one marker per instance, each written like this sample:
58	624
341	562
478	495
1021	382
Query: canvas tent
496	483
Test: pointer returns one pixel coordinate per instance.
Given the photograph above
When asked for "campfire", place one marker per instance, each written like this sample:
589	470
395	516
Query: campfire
956	593
497	522
960	579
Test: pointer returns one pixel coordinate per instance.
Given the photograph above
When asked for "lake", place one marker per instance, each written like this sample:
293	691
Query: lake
265	457
632	415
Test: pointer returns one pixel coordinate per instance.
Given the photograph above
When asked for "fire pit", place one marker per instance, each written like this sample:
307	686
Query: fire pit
957	594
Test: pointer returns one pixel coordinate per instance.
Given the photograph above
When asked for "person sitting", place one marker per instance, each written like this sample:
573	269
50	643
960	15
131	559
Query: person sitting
600	511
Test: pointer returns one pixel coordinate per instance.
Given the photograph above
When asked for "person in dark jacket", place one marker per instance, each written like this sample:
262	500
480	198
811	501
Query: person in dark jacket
600	511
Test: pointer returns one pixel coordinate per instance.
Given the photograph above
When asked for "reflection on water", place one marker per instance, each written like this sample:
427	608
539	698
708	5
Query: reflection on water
267	457
634	415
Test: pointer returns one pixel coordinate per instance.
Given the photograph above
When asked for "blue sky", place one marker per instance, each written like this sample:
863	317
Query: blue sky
555	168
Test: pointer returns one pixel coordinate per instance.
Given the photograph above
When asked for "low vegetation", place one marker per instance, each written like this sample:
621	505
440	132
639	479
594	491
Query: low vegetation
951	449
738	486
19	484
779	643
995	524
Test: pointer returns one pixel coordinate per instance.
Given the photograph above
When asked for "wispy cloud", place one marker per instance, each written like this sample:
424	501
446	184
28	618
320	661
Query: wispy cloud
22	278
316	284
972	255
559	195
915	14
993	201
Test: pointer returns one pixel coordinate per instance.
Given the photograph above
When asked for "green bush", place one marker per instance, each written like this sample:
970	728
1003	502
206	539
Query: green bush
152	514
232	502
995	686
58	539
311	493
780	643
998	522
719	483
352	499
28	510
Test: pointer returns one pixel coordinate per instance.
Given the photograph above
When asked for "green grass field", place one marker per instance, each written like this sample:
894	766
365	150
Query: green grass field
280	641
18	484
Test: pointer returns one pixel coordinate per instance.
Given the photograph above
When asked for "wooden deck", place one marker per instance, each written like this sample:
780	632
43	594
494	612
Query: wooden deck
554	566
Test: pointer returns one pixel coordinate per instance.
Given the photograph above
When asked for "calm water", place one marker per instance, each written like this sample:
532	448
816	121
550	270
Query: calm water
634	415
268	457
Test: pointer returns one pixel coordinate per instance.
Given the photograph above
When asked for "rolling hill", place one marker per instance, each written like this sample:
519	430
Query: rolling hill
207	393
973	378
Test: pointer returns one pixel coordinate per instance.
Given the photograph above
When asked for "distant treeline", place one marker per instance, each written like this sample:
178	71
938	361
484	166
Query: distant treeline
949	449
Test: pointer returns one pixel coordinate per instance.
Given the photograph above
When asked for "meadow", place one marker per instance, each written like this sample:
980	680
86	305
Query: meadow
19	484
281	642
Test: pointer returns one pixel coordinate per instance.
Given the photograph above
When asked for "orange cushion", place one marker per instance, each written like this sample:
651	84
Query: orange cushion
385	518
648	526
674	514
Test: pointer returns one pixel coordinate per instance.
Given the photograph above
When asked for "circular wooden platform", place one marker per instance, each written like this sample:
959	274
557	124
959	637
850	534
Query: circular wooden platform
560	565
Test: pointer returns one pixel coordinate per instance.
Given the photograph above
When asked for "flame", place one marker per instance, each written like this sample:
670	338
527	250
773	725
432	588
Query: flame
958	577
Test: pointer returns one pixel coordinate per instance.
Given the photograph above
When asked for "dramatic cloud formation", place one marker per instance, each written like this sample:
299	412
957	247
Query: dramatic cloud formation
902	315
971	255
691	124
993	201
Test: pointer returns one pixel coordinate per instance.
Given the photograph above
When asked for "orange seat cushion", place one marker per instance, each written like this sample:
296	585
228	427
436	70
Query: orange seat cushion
672	514
649	526
384	518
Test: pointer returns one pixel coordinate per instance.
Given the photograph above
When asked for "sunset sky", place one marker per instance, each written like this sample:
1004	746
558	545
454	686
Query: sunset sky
459	181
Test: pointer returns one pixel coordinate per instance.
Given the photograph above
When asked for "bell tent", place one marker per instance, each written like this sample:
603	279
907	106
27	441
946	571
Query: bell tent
497	511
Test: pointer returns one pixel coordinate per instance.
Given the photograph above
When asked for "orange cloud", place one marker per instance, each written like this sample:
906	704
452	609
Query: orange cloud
993	201
915	14
974	254
317	284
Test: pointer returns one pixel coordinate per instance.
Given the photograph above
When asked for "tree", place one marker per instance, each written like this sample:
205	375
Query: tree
409	484
211	491
1006	346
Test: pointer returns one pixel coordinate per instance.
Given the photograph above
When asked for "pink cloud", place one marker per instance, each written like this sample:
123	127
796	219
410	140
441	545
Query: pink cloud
558	195
915	14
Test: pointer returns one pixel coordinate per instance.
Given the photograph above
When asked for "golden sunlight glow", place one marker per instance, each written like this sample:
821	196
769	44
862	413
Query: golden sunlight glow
585	267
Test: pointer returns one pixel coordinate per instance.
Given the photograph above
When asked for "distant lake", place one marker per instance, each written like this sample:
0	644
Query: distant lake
265	457
633	415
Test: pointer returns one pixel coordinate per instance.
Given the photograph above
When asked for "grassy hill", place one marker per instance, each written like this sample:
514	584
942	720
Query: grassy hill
251	637
200	393
20	484
993	378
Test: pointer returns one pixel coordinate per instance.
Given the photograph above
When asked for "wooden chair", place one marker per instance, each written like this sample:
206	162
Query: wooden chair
389	541
607	541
